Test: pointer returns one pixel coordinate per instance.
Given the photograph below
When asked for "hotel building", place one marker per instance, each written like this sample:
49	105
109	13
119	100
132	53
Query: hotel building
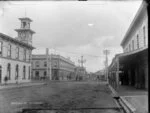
131	67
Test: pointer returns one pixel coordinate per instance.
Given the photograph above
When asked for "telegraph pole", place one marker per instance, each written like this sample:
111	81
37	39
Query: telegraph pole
82	61
48	62
106	52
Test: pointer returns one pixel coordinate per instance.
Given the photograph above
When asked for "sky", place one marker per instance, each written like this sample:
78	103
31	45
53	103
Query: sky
73	28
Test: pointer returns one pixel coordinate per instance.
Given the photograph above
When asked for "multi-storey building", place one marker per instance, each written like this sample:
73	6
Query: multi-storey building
80	73
41	66
131	67
62	67
54	67
15	54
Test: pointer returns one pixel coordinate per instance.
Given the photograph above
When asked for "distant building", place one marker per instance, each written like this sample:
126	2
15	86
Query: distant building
100	74
15	54
41	66
80	72
59	67
131	67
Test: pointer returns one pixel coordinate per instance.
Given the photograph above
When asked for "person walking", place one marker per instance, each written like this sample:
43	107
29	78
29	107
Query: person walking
5	80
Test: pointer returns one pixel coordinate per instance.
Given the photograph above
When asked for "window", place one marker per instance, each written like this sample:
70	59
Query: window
132	44
45	64
24	72
9	50
144	36
137	41
8	71
24	24
29	56
17	72
17	52
37	63
37	74
29	25
45	73
126	49
29	73
1	46
129	47
24	55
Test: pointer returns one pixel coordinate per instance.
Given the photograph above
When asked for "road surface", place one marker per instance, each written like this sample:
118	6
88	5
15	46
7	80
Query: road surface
85	97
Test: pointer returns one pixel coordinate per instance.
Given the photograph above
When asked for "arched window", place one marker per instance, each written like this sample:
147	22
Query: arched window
8	71
17	52
29	73
24	72
17	72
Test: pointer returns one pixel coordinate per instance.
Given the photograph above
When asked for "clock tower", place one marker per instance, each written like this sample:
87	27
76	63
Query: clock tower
25	33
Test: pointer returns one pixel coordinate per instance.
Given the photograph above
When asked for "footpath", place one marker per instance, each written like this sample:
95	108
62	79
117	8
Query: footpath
20	85
136	100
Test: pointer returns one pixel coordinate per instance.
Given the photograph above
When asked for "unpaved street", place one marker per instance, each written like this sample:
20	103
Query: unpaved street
59	95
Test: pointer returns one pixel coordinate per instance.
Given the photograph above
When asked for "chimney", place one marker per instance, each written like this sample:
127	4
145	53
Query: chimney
47	51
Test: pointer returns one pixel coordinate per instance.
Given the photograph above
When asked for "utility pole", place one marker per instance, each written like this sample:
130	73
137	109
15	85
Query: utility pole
82	61
106	52
48	62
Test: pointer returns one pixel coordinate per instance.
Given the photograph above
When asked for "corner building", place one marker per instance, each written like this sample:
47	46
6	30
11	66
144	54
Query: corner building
15	54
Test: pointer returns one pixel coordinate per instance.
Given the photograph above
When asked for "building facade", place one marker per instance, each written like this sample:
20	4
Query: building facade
56	67
80	73
131	67
15	54
40	67
62	68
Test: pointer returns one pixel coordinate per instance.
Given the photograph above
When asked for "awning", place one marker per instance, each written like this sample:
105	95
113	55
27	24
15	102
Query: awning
133	56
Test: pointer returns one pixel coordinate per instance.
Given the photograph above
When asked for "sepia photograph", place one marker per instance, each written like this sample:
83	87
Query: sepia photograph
74	56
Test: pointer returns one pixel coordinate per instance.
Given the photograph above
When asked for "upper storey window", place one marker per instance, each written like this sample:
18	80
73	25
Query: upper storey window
9	50
17	52
129	47
132	44
37	63
24	54
45	64
1	45
137	41
144	36
24	24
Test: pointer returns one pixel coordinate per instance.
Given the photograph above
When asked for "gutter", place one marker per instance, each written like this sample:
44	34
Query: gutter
127	107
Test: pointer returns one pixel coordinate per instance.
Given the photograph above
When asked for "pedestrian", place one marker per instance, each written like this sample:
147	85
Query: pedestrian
5	79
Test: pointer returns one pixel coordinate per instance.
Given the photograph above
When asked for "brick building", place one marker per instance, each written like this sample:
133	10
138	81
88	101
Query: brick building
131	67
15	54
62	68
54	67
